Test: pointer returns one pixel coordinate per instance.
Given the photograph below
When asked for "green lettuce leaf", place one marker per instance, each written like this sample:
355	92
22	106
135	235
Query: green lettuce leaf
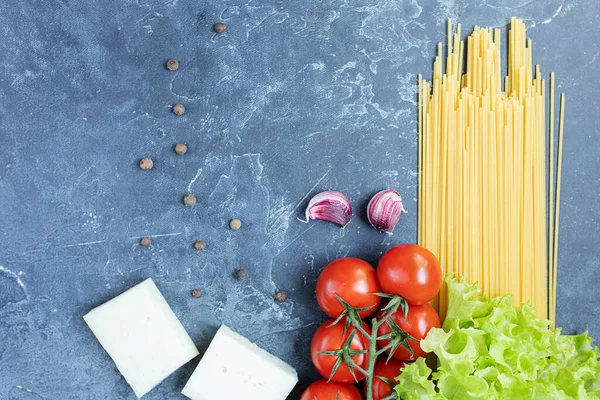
414	383
490	349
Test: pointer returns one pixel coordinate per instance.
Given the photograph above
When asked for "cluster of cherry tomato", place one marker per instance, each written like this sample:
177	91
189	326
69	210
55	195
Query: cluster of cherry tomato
407	270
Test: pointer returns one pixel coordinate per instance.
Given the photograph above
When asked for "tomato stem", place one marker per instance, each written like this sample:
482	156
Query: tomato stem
353	316
373	353
383	350
372	358
391	396
362	330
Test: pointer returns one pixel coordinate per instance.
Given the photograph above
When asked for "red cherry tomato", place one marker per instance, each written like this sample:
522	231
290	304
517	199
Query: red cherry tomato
323	390
421	319
332	338
389	370
410	271
354	280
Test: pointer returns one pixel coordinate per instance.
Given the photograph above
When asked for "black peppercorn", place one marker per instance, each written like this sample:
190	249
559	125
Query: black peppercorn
173	65
281	296
219	27
235	224
180	149
241	274
146	164
199	245
178	109
189	200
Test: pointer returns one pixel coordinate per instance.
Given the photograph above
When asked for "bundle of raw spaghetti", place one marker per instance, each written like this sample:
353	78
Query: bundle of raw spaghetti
486	208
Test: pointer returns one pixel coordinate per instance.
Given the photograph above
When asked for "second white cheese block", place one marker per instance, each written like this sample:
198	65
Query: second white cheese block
142	335
235	368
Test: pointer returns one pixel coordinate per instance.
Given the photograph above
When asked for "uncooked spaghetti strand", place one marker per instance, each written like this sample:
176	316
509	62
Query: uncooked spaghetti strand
561	123
551	193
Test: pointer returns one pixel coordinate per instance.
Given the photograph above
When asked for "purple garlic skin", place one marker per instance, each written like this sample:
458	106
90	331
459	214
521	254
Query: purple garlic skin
330	206
384	210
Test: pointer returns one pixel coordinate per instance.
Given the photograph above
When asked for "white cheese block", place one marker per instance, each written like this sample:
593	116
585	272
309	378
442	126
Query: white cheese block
235	368
142	335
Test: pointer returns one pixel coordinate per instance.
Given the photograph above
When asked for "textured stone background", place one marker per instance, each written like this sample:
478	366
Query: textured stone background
296	97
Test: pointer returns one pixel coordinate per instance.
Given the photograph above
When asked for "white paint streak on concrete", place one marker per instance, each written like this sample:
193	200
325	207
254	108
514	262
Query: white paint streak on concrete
189	188
547	21
83	243
299	203
294	240
13	275
157	235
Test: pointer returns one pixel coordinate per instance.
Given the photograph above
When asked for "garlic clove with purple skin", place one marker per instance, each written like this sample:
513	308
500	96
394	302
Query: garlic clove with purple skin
384	210
330	206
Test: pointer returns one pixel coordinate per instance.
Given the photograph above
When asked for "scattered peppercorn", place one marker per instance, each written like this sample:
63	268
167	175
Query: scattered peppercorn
178	109
172	65
180	149
189	200
199	245
281	296
241	274
146	164
146	242
235	224
220	27
196	293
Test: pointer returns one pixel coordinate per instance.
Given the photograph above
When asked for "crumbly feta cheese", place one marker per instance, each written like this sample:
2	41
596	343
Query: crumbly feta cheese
142	335
235	368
